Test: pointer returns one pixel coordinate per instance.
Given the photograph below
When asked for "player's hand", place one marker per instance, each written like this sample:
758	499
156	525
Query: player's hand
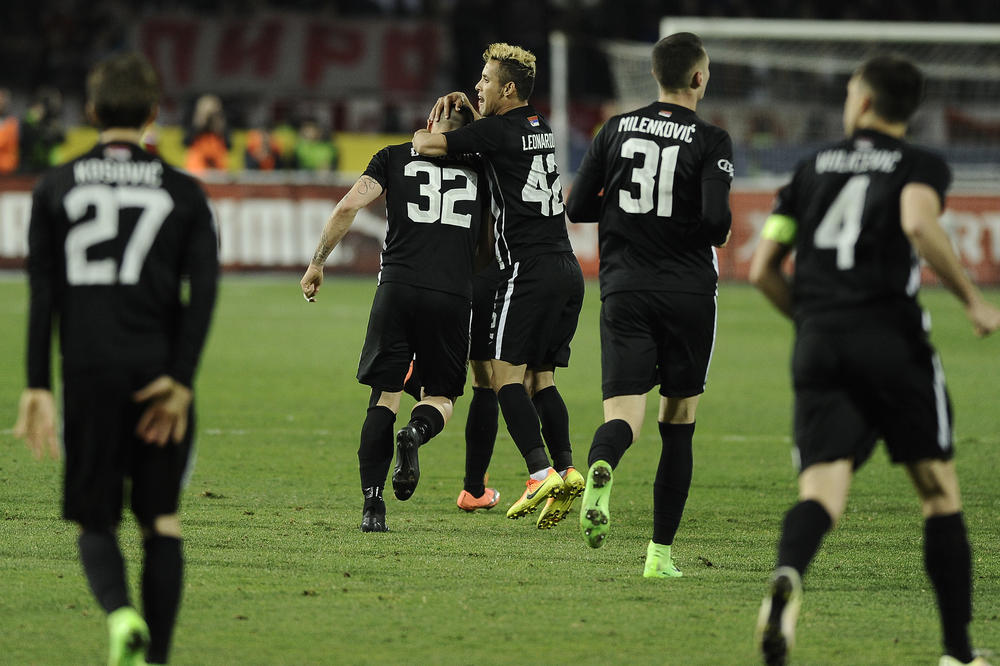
444	105
311	282
984	316
36	423
166	416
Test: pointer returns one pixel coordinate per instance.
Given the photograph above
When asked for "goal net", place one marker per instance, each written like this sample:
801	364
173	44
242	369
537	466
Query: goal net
778	86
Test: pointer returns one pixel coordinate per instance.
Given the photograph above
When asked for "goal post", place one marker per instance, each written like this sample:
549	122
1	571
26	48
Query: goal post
778	86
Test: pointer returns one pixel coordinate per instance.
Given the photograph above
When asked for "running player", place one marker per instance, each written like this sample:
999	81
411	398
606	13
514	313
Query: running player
665	175
858	214
123	254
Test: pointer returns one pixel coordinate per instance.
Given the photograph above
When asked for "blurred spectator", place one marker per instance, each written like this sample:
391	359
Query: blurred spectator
41	131
264	151
315	150
207	137
8	135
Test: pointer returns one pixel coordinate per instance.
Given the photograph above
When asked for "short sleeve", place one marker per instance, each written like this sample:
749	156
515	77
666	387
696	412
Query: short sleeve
718	164
929	169
378	167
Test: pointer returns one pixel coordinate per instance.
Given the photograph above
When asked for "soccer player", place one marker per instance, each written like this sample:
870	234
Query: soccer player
123	254
540	294
858	213
435	211
665	175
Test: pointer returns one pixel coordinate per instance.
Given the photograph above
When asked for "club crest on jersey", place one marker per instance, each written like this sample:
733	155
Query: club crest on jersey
665	113
533	120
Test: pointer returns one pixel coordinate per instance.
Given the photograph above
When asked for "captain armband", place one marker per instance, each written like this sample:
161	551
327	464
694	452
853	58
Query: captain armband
780	229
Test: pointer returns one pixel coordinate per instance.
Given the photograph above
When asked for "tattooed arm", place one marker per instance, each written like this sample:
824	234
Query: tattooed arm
365	191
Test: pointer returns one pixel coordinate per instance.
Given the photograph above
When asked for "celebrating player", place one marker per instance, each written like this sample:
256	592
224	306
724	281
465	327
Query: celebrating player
665	175
114	237
857	215
540	293
435	210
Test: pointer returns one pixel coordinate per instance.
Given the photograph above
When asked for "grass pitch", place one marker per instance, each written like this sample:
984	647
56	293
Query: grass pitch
278	572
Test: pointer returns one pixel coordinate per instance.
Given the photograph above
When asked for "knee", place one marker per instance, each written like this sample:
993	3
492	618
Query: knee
168	525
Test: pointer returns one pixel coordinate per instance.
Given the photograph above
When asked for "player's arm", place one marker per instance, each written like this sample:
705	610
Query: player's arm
920	208
585	198
716	216
430	144
168	397
775	243
36	415
364	191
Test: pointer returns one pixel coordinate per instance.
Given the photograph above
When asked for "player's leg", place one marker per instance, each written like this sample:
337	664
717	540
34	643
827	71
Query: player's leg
427	419
823	489
375	456
676	422
524	428
480	437
95	436
947	554
554	417
158	475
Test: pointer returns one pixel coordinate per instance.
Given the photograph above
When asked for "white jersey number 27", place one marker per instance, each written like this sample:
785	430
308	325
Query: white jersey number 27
108	202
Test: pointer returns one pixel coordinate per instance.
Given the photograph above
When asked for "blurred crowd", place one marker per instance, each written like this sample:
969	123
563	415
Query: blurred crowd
49	45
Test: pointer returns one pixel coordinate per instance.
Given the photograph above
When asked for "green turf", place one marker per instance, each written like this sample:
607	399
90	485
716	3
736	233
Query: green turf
278	572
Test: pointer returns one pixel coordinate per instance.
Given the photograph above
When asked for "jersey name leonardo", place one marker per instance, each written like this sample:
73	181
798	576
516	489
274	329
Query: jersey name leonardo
434	210
652	162
113	237
850	246
519	150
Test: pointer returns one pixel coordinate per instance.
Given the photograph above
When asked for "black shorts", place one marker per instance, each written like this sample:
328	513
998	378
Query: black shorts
102	450
485	284
409	323
656	337
859	380
536	309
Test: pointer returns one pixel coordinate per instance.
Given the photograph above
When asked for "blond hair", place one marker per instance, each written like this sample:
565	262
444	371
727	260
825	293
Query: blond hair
516	65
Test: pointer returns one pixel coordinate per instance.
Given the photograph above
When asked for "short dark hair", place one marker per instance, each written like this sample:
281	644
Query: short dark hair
123	90
673	58
897	86
458	118
515	64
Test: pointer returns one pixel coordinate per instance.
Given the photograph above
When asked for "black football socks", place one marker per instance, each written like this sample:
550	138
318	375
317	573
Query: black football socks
802	533
104	567
375	452
480	438
611	440
673	480
554	417
162	576
948	559
523	426
427	420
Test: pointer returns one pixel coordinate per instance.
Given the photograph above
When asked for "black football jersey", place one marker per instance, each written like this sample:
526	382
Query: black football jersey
651	163
123	253
519	150
434	208
850	246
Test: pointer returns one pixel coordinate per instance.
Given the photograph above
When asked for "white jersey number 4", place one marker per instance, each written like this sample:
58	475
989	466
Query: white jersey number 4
537	186
840	227
108	202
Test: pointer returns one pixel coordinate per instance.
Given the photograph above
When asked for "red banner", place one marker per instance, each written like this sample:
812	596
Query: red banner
292	54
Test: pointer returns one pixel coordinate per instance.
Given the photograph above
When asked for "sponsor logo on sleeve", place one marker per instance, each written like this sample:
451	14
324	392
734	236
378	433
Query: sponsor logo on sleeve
725	165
